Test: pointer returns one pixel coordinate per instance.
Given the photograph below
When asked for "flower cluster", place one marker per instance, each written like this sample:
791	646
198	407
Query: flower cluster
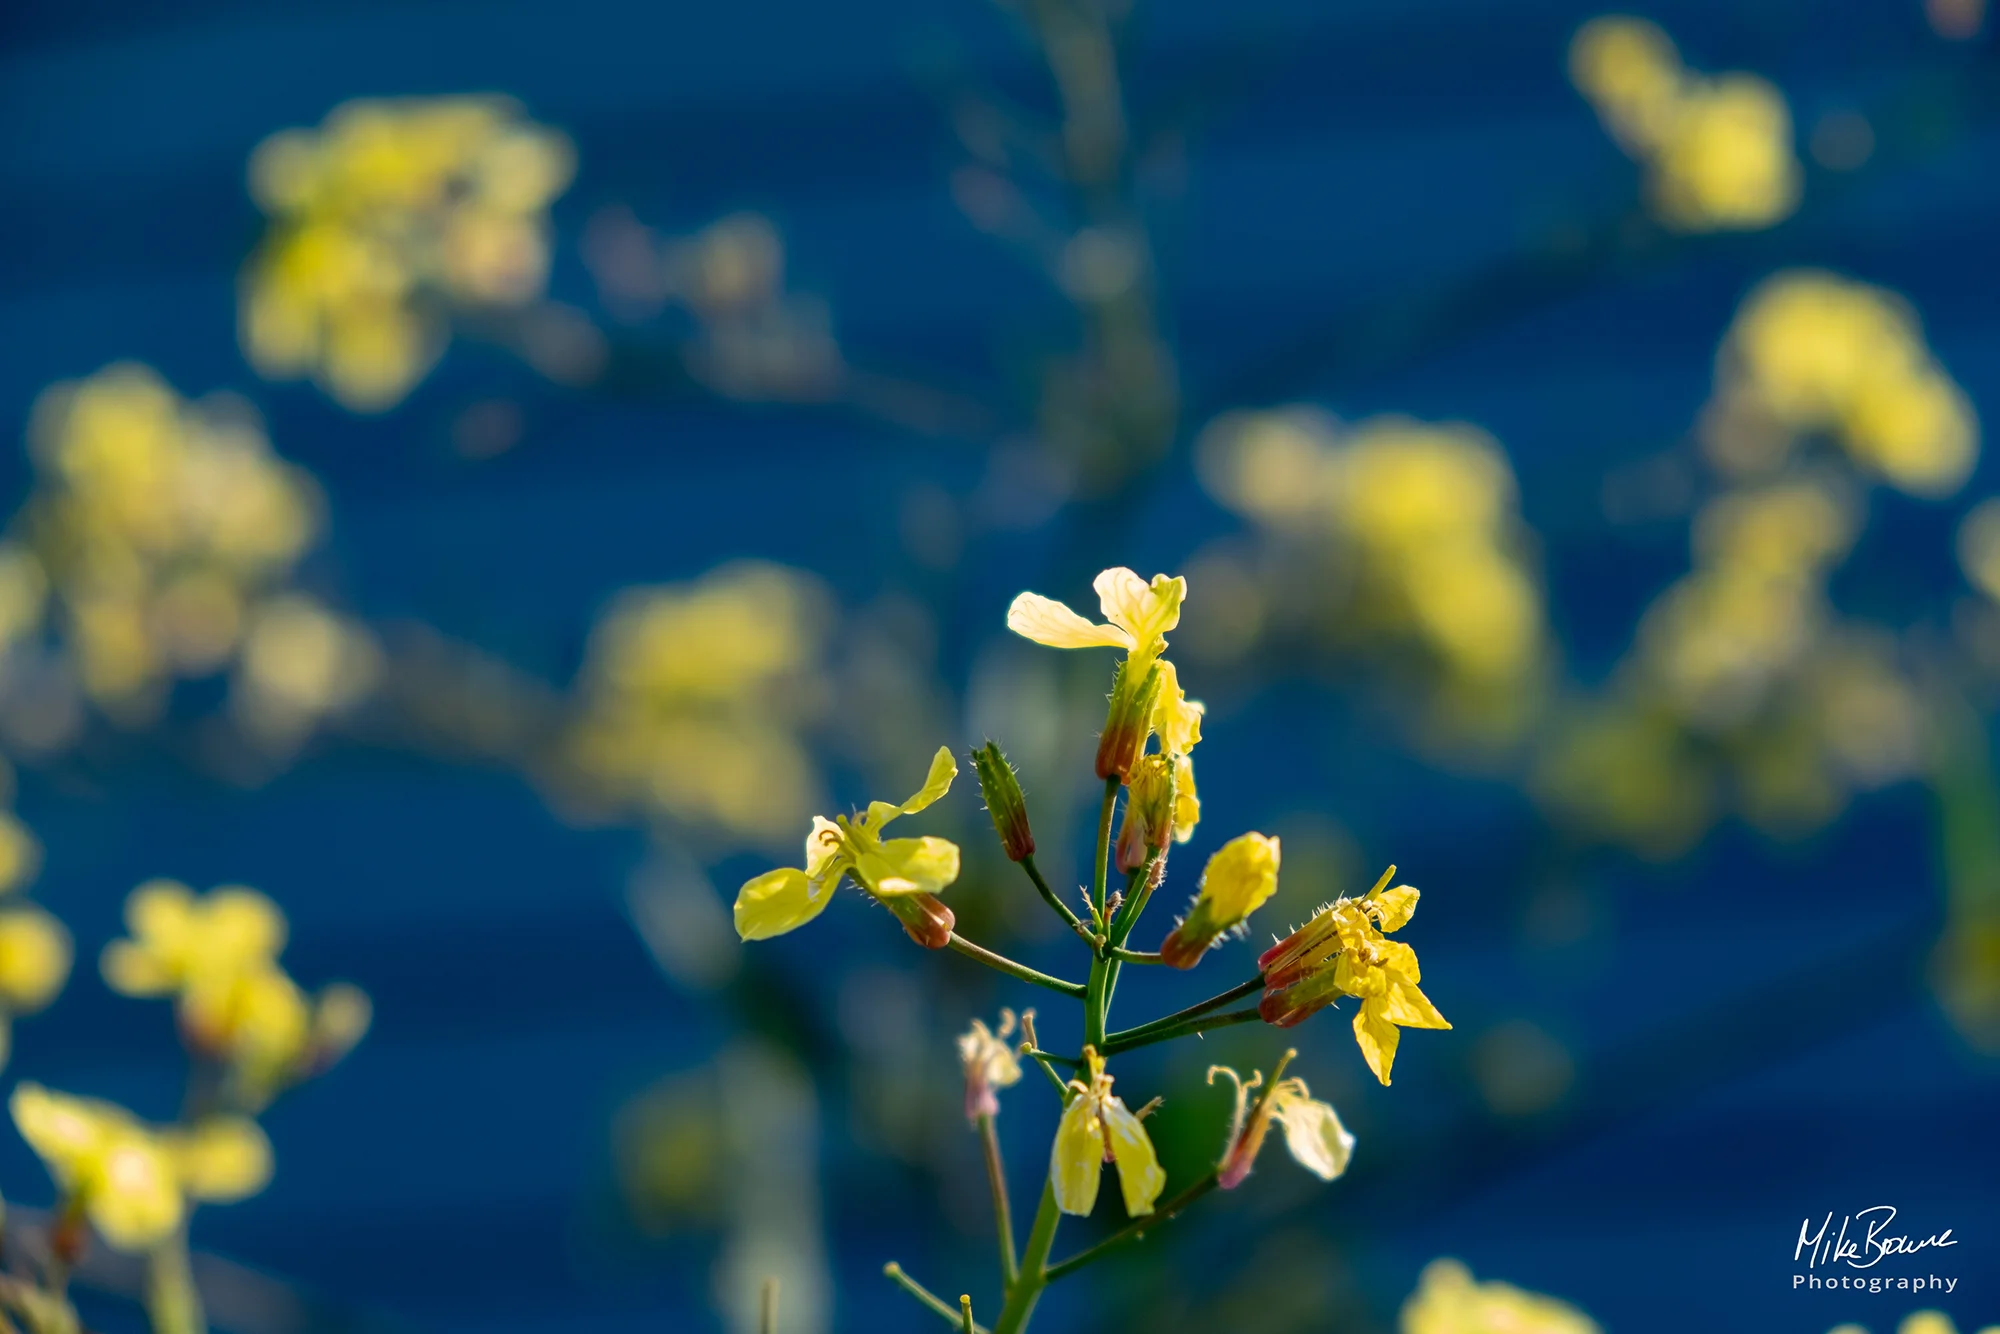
384	220
1143	756
1718	150
162	535
1448	1300
217	956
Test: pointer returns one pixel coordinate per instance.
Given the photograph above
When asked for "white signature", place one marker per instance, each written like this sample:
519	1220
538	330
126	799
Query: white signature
1868	1247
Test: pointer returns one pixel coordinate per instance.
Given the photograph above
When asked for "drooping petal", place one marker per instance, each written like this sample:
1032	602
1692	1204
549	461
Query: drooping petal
908	866
1377	1038
779	901
1076	1162
1409	1007
1147	611
936	783
1396	906
1140	1176
1313	1133
1176	718
1049	622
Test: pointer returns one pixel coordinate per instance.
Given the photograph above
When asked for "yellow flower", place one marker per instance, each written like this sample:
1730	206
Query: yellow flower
1236	882
990	1064
1097	1128
1342	951
180	941
1139	616
1313	1132
130	1181
34	959
1448	1301
20	854
902	873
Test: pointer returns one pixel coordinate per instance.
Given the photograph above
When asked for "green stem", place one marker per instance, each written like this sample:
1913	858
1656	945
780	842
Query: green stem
172	1304
1236	992
767	1308
1135	1229
1055	900
1135	956
1027	1289
924	1295
1003	1214
965	1311
1095	1005
1002	963
1127	1042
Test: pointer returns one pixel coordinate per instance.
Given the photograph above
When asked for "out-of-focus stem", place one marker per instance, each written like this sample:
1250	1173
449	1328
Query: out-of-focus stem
1003	1215
767	1308
172	1304
1027	1289
925	1296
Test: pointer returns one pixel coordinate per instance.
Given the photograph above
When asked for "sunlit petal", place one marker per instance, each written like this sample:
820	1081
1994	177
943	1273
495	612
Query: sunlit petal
1049	622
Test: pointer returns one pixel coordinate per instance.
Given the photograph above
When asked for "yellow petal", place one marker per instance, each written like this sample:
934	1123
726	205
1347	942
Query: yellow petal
35	956
1140	1176
1241	875
160	911
1358	979
135	1199
223	1159
1313	1133
1404	1004
938	782
64	1132
779	901
909	866
1049	622
133	970
1187	803
241	927
1377	1038
1147	611
1398	958
1076	1163
1175	717
1397	906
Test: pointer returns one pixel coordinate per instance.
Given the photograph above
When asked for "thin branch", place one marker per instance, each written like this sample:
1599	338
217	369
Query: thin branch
1006	965
1134	956
1063	910
1237	992
925	1296
1190	1027
1003	1214
965	1311
1135	1229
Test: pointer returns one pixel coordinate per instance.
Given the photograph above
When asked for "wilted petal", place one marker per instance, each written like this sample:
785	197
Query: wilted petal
1315	1136
779	901
1140	1176
909	866
1049	622
1076	1163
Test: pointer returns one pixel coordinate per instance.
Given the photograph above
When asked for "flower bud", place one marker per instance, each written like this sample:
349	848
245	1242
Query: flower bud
1129	721
1149	812
925	920
1236	881
1004	802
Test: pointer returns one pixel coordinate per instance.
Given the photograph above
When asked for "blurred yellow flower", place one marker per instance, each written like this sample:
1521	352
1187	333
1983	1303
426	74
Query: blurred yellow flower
180	941
383	220
157	524
1096	1127
903	874
1811	353
693	697
1343	951
35	954
1241	875
130	1181
1449	1301
1314	1135
20	853
1718	150
1408	534
990	1064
